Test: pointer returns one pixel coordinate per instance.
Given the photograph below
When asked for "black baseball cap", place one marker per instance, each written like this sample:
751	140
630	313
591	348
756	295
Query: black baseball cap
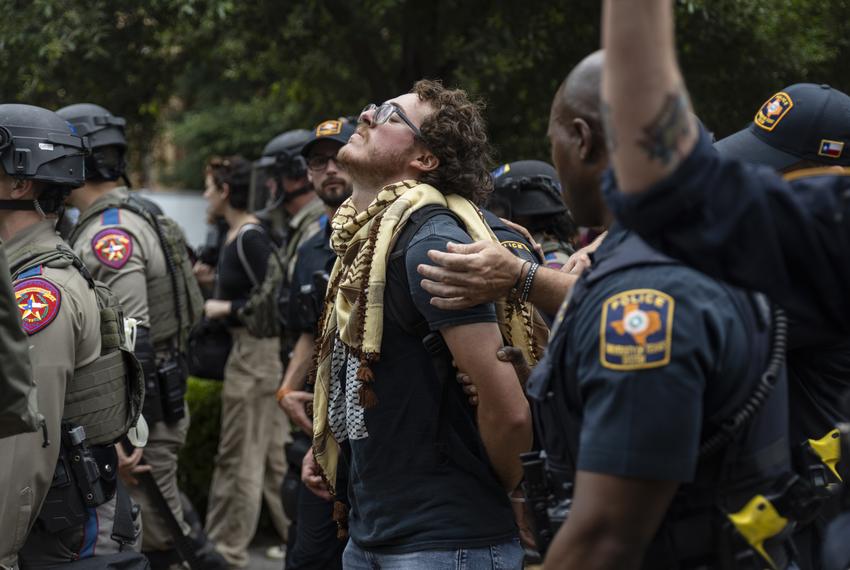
802	122
333	129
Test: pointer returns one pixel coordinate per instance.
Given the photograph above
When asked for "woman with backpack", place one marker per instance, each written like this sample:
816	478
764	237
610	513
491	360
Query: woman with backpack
250	463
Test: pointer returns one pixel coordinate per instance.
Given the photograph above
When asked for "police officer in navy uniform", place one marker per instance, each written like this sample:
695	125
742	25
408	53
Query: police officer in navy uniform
647	361
811	133
789	238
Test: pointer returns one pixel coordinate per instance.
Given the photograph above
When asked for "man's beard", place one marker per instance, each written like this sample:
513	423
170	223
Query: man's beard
334	199
374	170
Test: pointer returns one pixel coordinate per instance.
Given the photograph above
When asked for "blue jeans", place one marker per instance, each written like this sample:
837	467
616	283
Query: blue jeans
504	556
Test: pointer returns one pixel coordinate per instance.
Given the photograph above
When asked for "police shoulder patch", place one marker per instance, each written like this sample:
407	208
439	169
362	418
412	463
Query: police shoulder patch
38	302
112	247
636	330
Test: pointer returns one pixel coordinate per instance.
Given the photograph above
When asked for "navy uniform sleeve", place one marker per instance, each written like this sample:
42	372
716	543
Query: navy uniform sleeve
435	234
302	275
746	225
643	356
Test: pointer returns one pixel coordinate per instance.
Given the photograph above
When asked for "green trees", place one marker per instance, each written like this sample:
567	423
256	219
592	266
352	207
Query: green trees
200	77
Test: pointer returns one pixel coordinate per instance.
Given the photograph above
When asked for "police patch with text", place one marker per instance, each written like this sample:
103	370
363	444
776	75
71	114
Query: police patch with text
773	111
636	330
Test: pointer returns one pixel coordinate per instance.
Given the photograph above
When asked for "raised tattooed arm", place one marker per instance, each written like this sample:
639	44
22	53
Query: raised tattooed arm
645	106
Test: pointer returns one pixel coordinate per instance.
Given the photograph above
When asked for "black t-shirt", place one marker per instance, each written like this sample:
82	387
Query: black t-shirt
420	479
233	280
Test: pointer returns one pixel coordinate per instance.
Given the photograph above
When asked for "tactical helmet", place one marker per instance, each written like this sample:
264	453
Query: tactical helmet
105	133
37	144
281	158
526	188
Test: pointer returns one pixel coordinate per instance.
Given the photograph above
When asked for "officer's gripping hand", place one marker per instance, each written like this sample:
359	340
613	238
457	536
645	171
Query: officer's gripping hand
128	465
469	274
514	356
311	476
294	404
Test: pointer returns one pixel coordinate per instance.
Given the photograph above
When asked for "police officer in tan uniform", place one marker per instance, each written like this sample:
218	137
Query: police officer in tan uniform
528	192
18	409
61	486
142	258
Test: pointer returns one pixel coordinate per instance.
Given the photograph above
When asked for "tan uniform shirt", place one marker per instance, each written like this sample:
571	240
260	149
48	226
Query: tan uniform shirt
123	250
60	313
18	407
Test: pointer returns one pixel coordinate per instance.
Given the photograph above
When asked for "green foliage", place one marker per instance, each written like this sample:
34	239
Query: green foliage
221	77
197	458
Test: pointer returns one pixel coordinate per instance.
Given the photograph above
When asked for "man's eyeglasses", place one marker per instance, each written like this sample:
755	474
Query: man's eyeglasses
319	163
383	112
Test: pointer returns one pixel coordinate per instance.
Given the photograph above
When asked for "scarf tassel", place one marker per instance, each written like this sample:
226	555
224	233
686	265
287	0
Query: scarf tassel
366	393
340	517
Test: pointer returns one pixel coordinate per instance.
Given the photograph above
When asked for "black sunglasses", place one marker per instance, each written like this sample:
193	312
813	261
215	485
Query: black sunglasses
383	112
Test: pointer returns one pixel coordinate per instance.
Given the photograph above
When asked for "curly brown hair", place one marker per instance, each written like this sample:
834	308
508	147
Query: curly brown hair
457	135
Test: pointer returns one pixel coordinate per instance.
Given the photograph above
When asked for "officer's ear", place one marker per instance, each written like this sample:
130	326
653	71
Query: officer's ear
584	137
23	189
425	161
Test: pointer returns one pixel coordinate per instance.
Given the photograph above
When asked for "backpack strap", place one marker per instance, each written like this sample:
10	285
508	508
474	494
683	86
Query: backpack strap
240	249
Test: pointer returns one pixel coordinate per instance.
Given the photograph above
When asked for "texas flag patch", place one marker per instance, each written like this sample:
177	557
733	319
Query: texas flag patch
38	302
636	330
832	149
112	247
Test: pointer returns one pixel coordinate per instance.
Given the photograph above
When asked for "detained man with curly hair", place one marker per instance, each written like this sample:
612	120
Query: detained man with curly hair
426	476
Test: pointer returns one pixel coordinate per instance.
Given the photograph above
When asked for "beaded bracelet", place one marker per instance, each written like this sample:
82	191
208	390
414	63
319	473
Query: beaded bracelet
529	278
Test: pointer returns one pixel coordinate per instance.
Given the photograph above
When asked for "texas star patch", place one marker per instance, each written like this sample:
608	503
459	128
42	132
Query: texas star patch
773	111
636	330
112	247
38	302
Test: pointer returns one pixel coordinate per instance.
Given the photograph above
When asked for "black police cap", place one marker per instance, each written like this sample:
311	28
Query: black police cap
802	122
334	130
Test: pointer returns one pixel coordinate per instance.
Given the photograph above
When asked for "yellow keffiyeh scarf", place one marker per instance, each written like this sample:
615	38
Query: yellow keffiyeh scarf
353	317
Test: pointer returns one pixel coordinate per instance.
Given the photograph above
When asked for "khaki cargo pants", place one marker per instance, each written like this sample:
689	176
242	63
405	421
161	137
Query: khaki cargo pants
249	464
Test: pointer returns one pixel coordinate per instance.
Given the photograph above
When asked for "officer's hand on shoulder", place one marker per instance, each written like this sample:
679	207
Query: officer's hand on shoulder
469	274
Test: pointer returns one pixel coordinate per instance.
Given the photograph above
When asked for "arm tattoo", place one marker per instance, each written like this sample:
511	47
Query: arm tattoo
662	135
608	126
